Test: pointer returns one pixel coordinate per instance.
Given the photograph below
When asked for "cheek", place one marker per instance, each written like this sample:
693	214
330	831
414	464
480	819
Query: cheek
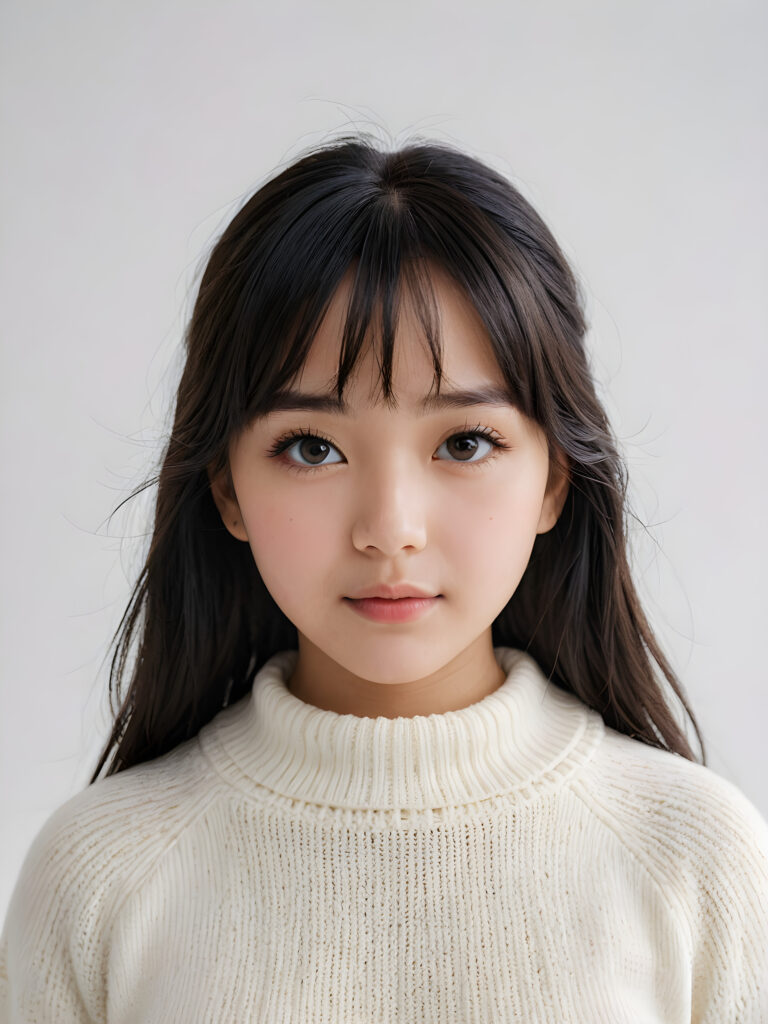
494	529
290	540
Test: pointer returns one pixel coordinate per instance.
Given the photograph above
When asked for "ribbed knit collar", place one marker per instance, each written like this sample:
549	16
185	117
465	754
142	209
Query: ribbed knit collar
525	734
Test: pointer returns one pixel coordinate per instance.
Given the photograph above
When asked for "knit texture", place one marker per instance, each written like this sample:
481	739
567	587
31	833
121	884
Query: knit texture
515	860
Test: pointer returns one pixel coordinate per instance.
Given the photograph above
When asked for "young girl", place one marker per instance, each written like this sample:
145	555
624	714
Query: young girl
396	742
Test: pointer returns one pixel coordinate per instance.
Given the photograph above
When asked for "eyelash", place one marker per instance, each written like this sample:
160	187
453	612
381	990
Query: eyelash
285	441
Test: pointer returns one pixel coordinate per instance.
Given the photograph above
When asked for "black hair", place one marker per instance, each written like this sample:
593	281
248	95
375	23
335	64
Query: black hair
201	618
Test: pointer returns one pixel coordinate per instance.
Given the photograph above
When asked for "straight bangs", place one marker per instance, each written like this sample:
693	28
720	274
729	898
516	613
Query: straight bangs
387	234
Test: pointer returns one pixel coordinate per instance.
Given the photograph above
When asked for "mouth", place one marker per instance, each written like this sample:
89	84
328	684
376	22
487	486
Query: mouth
393	609
394	600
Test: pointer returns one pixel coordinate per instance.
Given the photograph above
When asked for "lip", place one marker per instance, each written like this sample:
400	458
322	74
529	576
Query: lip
393	591
384	609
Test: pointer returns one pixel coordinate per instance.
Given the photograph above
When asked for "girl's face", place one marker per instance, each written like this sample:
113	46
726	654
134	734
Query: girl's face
380	496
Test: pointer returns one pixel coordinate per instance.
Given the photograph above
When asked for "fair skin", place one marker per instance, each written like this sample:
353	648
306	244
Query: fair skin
397	495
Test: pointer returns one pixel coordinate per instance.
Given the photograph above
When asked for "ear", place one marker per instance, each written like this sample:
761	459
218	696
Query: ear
557	491
223	492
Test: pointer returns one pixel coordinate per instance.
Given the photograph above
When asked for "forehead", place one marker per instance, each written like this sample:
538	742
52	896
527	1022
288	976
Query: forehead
466	353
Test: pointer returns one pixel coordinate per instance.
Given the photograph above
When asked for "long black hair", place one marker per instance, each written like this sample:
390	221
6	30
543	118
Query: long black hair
200	618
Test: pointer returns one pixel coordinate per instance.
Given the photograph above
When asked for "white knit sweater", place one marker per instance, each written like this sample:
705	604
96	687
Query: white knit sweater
514	860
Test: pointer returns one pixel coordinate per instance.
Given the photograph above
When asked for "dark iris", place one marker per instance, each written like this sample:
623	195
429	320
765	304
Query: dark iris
314	444
464	439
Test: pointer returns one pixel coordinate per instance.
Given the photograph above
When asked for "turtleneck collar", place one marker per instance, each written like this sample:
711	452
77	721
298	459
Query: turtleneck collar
526	734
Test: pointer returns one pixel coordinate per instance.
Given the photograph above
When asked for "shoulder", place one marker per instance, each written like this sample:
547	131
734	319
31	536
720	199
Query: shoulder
705	845
135	811
680	815
684	804
111	829
88	857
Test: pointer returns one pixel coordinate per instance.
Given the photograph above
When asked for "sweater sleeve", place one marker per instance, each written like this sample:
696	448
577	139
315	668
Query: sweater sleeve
52	948
91	855
729	910
705	845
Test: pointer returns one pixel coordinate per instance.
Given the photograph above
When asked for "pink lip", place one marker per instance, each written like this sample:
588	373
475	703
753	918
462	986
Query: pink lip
384	609
393	590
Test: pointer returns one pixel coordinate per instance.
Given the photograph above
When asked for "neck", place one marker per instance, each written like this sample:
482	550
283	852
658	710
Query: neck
320	681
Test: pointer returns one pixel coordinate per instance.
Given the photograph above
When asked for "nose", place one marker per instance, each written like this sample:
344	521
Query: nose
390	510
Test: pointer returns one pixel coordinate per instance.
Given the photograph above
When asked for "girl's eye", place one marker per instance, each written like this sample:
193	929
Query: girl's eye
312	445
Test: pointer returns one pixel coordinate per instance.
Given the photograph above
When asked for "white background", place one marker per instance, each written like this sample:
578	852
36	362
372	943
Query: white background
130	133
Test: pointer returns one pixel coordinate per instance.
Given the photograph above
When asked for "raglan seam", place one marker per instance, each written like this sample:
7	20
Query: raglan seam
663	892
171	842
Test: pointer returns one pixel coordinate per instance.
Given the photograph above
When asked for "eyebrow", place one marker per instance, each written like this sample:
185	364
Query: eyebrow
488	394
